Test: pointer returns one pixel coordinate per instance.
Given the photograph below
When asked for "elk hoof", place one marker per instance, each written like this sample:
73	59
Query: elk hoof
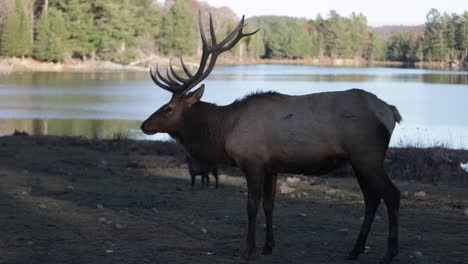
354	254
387	259
248	254
267	251
268	248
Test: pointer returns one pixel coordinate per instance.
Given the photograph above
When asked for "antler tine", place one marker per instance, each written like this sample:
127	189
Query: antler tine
239	35
213	35
173	82
174	73
202	34
180	85
165	81
189	74
233	33
158	83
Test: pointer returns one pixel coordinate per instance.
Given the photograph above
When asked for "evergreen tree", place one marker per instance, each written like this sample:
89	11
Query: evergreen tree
177	33
255	46
434	36
398	48
51	36
376	49
17	36
83	39
338	37
298	43
462	37
359	35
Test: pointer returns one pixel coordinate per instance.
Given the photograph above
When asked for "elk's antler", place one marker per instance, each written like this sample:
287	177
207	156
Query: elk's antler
177	84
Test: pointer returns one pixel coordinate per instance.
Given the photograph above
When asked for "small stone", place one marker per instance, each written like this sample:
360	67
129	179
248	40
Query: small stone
42	206
405	194
24	193
203	230
331	192
293	180
367	249
285	189
264	226
302	214
420	194
30	243
103	164
418	253
109	251
312	182
345	230
305	194
119	226
102	220
466	212
99	206
70	188
25	171
155	210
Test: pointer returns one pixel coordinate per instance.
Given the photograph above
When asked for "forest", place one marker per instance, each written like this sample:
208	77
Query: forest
125	30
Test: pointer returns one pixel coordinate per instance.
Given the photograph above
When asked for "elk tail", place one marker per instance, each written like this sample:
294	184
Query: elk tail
396	114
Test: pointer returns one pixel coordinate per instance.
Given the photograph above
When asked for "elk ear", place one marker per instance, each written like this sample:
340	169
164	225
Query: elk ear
196	95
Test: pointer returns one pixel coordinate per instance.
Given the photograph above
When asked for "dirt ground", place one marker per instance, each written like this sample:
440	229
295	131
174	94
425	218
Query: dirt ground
69	200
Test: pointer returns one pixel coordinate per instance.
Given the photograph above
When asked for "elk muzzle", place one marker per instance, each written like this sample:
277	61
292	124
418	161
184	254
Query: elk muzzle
147	128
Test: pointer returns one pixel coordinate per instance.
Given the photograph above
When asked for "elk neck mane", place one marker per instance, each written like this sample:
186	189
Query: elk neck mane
256	95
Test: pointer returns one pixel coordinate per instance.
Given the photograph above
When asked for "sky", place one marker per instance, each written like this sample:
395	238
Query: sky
378	12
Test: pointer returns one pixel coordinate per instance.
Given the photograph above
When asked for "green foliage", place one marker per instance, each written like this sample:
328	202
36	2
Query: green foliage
377	49
255	46
125	30
446	36
398	48
83	36
17	38
51	36
177	34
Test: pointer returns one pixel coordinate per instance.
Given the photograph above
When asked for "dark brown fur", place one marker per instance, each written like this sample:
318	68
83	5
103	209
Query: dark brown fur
267	133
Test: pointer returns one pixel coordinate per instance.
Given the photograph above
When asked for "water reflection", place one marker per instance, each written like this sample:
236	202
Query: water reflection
72	127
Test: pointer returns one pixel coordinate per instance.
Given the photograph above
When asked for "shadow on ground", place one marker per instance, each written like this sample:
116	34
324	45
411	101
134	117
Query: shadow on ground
68	200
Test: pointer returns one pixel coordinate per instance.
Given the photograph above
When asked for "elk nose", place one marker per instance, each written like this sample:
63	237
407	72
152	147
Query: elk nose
142	127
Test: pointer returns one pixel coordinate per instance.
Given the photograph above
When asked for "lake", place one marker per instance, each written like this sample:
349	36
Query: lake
433	103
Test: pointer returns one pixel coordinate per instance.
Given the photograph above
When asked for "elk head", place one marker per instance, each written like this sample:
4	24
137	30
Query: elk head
169	117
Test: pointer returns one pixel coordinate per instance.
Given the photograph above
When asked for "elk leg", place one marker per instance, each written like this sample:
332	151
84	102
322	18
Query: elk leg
215	174
376	179
269	193
372	201
207	176
254	177
202	181
192	176
391	198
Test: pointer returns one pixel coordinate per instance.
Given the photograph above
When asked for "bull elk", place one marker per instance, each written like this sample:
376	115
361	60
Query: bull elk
268	133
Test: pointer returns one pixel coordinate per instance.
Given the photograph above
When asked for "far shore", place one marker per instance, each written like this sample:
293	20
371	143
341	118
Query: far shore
11	65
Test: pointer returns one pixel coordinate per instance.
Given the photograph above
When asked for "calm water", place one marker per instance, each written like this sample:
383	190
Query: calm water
433	103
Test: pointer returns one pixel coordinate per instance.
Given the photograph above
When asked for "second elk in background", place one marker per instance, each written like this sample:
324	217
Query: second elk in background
197	168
